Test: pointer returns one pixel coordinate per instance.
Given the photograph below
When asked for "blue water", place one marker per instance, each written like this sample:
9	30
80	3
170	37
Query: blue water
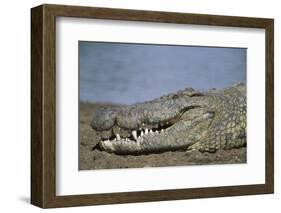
129	73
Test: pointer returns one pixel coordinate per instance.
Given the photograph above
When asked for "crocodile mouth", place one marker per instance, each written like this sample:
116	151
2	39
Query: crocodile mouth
144	131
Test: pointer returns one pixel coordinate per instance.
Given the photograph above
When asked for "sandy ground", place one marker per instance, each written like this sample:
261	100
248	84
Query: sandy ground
95	159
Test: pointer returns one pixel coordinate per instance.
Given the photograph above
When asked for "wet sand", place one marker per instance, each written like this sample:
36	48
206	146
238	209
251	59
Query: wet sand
95	159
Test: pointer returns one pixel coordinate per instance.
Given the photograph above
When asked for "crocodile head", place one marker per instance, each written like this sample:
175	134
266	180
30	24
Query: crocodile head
167	123
171	122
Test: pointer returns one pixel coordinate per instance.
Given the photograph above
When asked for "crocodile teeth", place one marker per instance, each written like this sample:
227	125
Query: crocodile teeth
118	136
134	133
146	131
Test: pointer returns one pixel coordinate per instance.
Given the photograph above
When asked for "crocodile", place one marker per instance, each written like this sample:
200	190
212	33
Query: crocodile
186	120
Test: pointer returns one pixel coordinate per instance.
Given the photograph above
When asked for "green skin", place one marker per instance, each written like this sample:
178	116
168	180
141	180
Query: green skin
188	120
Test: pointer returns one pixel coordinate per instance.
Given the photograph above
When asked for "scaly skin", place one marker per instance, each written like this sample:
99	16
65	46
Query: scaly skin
184	120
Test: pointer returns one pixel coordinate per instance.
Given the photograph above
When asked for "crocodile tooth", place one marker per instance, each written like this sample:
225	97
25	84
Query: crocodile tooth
146	131
162	130
150	131
140	139
134	133
141	133
118	136
156	132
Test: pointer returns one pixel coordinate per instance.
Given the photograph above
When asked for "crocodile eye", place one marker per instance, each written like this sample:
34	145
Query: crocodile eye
175	96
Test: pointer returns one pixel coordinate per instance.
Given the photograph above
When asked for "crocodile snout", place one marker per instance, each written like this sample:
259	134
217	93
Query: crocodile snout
104	118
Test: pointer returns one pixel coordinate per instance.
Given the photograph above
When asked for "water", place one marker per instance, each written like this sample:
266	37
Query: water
129	73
